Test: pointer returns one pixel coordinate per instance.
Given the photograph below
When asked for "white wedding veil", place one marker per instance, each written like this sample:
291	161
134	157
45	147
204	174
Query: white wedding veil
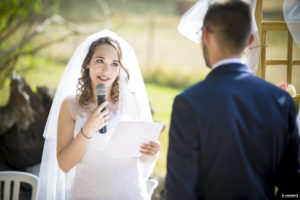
133	104
192	21
291	13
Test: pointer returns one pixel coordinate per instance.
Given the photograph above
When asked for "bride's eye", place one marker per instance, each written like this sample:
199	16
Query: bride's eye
99	61
115	64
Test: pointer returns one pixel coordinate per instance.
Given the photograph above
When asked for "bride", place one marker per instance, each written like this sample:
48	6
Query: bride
78	162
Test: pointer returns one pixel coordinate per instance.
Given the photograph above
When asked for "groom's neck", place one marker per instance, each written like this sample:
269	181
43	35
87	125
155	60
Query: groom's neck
218	55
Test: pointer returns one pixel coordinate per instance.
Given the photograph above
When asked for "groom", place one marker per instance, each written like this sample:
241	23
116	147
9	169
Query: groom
233	135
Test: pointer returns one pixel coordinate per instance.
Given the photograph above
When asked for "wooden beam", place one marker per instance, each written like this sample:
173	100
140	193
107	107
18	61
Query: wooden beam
297	97
258	18
263	55
289	58
274	26
282	62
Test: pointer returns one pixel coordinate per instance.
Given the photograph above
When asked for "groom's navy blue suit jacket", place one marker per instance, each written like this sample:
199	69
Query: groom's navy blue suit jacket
233	136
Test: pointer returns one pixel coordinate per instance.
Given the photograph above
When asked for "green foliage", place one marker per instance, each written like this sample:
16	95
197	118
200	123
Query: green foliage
40	71
14	11
176	78
20	22
4	95
16	20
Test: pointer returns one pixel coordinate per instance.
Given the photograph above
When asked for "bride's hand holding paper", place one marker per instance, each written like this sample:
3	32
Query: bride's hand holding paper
151	148
133	138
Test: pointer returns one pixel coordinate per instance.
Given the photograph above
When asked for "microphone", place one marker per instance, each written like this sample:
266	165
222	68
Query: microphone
101	92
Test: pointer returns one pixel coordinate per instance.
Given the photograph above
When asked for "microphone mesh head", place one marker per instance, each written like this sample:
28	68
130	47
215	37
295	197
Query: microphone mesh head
100	89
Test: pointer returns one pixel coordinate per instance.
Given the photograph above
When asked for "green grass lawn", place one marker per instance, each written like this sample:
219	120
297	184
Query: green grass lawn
161	99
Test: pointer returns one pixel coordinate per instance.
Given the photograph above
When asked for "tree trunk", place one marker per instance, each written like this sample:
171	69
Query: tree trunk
22	123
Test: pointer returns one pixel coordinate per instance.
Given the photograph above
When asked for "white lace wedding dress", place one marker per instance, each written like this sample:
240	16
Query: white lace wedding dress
103	172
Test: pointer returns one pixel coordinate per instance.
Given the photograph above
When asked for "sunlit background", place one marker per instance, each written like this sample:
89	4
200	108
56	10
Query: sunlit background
169	62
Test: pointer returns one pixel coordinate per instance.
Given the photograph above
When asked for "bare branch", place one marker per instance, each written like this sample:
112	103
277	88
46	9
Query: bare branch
10	31
8	58
105	7
10	20
71	26
38	48
107	13
49	43
58	19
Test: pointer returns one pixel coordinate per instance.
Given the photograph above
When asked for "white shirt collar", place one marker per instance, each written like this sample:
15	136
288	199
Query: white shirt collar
226	61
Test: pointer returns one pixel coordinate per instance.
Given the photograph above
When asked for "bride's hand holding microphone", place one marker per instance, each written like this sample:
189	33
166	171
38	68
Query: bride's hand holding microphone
96	121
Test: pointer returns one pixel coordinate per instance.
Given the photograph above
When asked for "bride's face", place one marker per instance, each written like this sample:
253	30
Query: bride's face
104	65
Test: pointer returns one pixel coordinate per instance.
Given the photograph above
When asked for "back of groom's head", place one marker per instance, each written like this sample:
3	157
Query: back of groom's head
230	22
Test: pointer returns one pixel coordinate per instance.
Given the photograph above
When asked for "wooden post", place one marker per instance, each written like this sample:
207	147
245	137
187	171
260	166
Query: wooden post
258	18
263	47
289	58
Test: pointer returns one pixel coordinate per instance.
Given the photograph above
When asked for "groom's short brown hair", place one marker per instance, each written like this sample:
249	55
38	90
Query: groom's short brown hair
230	21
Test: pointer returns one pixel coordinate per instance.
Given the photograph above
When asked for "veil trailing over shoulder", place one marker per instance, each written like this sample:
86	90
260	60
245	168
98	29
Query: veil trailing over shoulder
291	13
133	104
192	21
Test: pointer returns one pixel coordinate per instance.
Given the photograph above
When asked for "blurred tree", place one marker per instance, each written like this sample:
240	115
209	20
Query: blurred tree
20	22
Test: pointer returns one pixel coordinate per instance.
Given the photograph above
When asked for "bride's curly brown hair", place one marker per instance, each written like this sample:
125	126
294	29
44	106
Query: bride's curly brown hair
84	86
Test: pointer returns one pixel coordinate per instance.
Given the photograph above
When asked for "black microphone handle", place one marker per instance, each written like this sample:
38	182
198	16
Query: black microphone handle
101	99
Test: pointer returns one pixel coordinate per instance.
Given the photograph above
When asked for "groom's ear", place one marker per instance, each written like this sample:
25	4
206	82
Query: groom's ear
206	35
251	39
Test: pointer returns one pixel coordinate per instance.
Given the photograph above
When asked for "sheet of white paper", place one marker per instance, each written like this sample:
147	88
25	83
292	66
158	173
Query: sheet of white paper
129	135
